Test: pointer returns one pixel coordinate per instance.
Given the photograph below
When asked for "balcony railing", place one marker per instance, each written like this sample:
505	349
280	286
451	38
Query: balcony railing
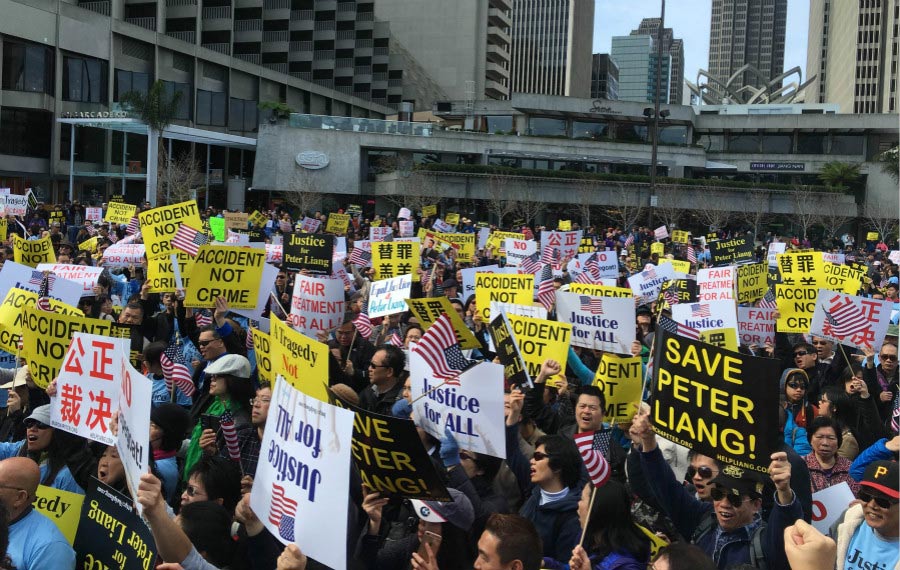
146	23
365	16
364	43
380	76
304	75
302	15
323	54
277	4
187	36
362	70
300	46
254	58
329	83
345	34
324	122
101	7
247	25
276	36
382	51
325	25
279	67
346	7
220	48
181	2
343	62
395	83
216	12
348	89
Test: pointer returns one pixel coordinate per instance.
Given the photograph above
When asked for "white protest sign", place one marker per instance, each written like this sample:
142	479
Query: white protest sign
310	225
440	225
708	316
517	250
16	205
775	248
599	323
756	326
468	278
123	254
300	488
316	305
87	387
133	442
848	319
23	277
661	233
379	233
715	283
829	504
472	406
894	256
407	228
838	258
483	235
388	296
93	214
647	283
5	191
274	253
84	275
566	242
607	264
534	311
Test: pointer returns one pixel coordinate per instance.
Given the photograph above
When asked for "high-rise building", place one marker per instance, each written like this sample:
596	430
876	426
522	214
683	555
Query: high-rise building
552	47
636	58
604	77
852	49
747	32
455	42
670	45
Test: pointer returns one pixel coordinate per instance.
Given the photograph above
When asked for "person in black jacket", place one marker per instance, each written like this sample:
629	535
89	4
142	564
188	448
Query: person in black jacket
386	374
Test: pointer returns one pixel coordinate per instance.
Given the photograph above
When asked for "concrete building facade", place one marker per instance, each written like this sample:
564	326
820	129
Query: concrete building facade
852	49
636	58
552	42
747	32
672	46
604	77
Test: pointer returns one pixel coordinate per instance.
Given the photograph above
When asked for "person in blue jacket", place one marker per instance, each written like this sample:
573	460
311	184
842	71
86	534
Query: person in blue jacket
48	449
800	411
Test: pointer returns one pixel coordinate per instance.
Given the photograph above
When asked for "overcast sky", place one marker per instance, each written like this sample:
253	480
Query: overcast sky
689	20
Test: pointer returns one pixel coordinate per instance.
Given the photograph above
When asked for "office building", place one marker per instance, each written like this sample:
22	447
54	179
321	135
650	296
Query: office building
670	45
636	57
455	43
604	77
852	49
747	32
552	47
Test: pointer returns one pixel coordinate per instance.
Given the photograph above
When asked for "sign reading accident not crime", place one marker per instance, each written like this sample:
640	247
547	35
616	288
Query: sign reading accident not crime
225	271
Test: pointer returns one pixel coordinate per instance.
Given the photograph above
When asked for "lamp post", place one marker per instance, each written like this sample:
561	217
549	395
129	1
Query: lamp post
655	113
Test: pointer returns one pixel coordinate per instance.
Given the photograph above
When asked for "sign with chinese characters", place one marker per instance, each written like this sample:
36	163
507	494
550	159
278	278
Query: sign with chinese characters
395	258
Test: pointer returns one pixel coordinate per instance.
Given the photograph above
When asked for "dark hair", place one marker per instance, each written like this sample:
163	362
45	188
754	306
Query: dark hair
135	307
412	327
564	457
823	422
221	478
395	359
517	539
154	351
841	406
685	556
240	390
594	391
211	329
611	528
208	526
805	346
489	464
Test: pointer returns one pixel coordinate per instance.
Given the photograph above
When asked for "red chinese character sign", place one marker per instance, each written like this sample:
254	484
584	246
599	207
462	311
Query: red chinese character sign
133	442
87	387
851	320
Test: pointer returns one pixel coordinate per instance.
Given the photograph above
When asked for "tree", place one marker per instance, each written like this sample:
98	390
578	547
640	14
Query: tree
834	213
500	202
585	193
710	207
881	217
807	210
304	193
157	109
667	207
890	162
627	207
840	176
756	205
416	189
180	178
528	205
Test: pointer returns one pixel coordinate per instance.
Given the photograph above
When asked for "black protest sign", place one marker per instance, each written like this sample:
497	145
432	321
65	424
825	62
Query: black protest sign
135	339
686	289
111	534
308	251
731	251
719	403
390	456
514	370
254	234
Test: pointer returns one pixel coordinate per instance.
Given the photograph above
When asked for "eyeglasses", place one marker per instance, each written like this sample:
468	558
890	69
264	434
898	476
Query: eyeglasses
193	491
887	356
35	424
202	343
718	494
260	401
797	385
802	353
883	502
704	472
373	365
540	456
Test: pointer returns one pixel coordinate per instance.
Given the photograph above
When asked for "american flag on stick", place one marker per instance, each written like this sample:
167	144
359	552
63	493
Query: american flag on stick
363	323
189	240
441	351
691	255
674	327
133	226
768	301
593	447
43	302
360	257
530	264
175	370
546	291
844	317
229	431
629	241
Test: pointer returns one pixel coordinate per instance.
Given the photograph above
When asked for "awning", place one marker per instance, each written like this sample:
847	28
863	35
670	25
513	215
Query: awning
176	132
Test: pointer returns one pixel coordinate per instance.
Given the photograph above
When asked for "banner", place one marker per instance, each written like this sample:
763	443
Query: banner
310	252
756	326
316	305
87	387
89	245
829	504
451	218
514	371
645	285
378	233
302	361
681	236
274	253
61	507
46	337
133	442
598	323
310	225
566	242
715	284
851	320
111	534
93	214
234	273
540	339
390	457
33	252
217	228
392	259
870	236
564	225
262	350
407	228
752	282
235	220
123	255
12	315
300	489
442	226
621	379
517	289
388	296
337	223
429	309
84	275
158	226
661	233
775	248
713	401
258	219
16	205
471	406
731	251
600	290
120	212
496	239
709	316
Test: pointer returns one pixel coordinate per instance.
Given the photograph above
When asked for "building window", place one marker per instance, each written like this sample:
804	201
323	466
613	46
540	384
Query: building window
90	144
25	132
777	144
632	132
743	143
84	79
127	81
846	144
810	144
673	134
183	112
590	130
499	124
243	115
210	108
547	127
27	67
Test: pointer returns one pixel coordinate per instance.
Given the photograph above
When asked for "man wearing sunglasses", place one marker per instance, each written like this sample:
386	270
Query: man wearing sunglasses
868	534
882	380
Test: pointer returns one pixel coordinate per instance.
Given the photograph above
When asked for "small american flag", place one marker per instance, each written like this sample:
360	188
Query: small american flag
189	240
133	226
248	341
202	318
91	230
671	296
546	291
592	304
113	236
37	279
229	431
768	301
363	324
441	351
282	512
669	325
531	264
395	339
550	255
43	302
360	257
895	417
629	241
591	273
593	447
175	370
691	255
699	310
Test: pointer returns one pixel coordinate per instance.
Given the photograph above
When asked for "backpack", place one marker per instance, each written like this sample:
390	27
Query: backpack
757	556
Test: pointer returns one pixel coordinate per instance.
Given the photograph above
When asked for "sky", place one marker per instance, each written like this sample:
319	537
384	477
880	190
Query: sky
689	20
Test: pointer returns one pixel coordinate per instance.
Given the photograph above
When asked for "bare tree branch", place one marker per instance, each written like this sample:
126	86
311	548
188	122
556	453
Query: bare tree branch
500	199
178	178
756	206
627	208
835	212
710	207
807	210
585	193
667	206
305	191
528	204
416	190
881	216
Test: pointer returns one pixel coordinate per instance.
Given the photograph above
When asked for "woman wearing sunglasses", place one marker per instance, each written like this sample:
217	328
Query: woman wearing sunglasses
800	412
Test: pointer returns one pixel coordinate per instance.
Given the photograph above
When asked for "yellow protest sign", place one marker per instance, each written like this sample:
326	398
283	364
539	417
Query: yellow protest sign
33	252
395	258
656	543
235	220
11	315
61	507
723	338
871	236
504	288
796	305
657	247
46	337
565	225
158	226
119	212
452	218
495	240
840	278
600	290
678	264
680	236
540	339
621	379
258	219
301	360
337	223
429	211
225	271
429	309
4	228
89	244
466	243
752	282
161	272
262	348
